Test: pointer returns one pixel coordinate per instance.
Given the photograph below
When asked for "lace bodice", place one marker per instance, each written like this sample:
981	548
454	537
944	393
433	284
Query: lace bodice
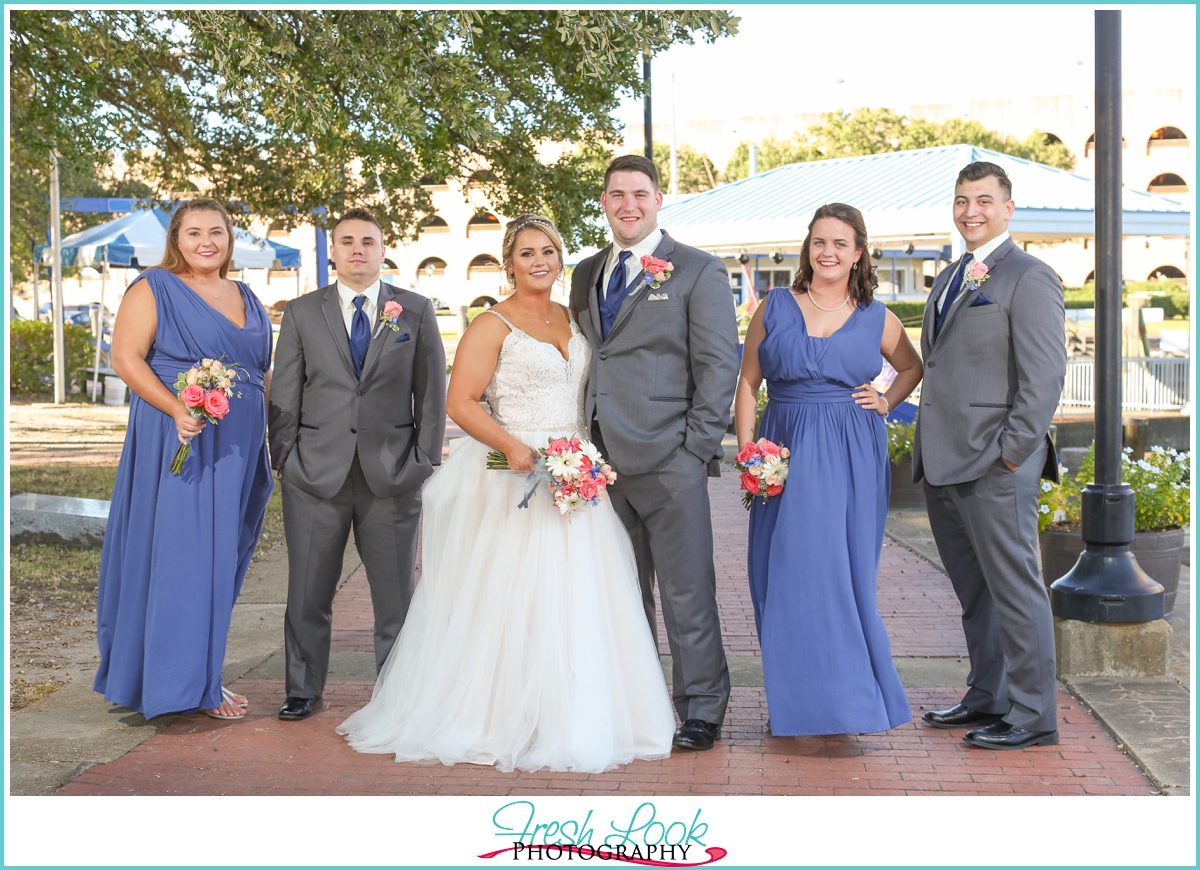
534	388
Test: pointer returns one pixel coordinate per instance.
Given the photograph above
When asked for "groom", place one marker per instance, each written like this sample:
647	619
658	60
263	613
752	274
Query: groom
357	414
663	373
995	358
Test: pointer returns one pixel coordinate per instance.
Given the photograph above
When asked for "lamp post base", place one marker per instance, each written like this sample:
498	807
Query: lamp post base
1107	585
1091	649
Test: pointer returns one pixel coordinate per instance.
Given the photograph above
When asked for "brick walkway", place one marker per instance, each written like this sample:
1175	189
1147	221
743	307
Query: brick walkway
262	755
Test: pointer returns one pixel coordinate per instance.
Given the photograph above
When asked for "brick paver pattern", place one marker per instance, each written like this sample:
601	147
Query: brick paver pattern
261	755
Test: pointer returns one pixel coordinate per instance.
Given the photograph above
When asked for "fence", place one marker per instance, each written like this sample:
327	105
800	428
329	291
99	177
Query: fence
1147	384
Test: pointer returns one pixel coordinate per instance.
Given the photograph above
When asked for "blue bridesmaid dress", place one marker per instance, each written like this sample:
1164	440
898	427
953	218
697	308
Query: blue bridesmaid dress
814	549
176	548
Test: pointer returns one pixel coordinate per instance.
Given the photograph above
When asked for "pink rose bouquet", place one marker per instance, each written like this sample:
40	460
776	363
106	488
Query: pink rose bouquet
573	469
205	390
764	468
656	271
390	315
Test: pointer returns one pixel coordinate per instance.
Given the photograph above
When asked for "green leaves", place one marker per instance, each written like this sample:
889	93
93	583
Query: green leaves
287	111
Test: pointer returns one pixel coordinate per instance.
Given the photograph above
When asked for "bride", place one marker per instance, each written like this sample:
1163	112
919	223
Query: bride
526	644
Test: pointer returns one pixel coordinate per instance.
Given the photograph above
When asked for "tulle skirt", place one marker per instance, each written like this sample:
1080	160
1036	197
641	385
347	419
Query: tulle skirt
526	645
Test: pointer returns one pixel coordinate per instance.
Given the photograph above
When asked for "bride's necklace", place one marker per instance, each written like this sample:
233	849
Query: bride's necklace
540	317
814	301
205	292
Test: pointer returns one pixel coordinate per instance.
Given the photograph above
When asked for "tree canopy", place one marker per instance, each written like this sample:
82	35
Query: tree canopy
876	131
697	172
281	112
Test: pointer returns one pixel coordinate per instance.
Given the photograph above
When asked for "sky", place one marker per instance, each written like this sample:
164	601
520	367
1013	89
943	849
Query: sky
788	59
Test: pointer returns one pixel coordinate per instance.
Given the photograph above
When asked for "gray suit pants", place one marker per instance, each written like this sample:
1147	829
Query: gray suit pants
385	534
986	533
667	516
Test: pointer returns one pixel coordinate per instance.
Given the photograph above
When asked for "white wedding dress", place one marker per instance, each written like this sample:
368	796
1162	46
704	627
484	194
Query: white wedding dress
526	644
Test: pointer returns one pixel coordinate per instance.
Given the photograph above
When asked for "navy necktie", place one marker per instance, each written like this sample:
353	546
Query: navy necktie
952	292
614	295
360	335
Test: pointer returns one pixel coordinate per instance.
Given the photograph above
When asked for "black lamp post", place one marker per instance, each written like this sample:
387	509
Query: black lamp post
1106	584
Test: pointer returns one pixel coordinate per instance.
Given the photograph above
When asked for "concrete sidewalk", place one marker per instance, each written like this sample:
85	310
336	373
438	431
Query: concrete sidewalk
1128	737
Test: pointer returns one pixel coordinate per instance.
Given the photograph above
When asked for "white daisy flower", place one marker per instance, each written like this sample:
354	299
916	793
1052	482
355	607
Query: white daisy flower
1047	486
562	464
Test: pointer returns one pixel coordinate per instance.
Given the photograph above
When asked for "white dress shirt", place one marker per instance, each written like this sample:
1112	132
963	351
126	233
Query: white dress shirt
346	297
634	264
978	256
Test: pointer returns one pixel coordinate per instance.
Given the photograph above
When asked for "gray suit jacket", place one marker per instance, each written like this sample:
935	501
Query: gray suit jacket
665	376
321	414
995	373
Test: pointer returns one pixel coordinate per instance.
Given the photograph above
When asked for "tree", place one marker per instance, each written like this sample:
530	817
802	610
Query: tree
772	153
877	131
283	112
697	173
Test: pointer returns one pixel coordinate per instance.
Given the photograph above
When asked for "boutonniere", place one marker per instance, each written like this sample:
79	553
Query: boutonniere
390	315
976	276
657	271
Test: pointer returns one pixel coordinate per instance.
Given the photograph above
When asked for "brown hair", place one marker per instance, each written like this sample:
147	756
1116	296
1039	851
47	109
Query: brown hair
862	282
357	214
632	163
980	170
173	260
528	222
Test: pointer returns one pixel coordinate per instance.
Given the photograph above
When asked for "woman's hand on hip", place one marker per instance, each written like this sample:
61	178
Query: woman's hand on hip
867	398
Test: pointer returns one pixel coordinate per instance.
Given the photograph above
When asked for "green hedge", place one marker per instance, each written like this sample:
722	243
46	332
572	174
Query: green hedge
910	313
32	355
1167	295
1172	304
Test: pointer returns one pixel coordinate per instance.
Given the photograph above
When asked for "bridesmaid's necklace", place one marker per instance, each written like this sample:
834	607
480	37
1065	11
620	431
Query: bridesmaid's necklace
814	301
540	317
200	289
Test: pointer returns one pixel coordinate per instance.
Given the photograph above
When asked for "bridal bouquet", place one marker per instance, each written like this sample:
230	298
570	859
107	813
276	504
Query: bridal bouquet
205	390
764	468
575	472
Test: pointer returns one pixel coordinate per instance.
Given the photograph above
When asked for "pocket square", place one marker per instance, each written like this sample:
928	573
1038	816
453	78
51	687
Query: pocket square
404	337
657	297
980	300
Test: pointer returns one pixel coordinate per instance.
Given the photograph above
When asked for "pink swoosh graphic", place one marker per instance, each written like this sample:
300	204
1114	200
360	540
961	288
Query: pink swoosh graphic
715	853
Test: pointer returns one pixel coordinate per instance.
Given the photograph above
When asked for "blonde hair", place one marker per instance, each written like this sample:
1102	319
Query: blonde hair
173	260
528	222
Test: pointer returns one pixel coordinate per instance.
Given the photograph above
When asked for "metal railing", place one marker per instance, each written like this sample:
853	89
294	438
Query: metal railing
1147	384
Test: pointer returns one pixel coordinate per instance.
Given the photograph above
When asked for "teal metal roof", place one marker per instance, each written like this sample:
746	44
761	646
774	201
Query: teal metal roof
905	194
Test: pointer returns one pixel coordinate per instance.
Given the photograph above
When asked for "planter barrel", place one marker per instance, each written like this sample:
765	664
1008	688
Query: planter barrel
1159	554
905	493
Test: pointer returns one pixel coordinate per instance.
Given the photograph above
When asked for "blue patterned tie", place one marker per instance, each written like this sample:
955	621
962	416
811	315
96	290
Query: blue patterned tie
952	291
360	335
614	295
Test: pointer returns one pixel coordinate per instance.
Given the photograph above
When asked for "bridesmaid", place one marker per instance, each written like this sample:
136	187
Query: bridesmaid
814	549
177	547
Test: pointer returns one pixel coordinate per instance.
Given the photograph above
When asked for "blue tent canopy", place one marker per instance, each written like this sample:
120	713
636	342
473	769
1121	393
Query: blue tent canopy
142	236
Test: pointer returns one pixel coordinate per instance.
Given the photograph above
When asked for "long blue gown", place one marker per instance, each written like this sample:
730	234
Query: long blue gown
814	549
176	549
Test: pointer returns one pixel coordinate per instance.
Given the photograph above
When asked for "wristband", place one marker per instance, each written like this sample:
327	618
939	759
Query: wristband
887	405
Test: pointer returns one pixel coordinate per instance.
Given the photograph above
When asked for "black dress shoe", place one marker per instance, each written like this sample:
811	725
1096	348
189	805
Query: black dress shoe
960	717
697	734
298	708
1005	736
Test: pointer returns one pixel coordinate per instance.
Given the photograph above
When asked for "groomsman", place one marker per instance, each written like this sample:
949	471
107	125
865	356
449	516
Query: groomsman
357	415
995	358
664	369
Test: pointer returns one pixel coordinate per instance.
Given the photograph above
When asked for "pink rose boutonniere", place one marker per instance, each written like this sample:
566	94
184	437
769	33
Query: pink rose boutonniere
657	271
390	315
976	275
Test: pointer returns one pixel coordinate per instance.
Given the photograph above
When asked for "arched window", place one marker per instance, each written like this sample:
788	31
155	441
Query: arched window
483	302
1166	137
1168	182
1091	278
483	264
389	264
1166	273
1051	139
1090	145
485	221
434	224
431	266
